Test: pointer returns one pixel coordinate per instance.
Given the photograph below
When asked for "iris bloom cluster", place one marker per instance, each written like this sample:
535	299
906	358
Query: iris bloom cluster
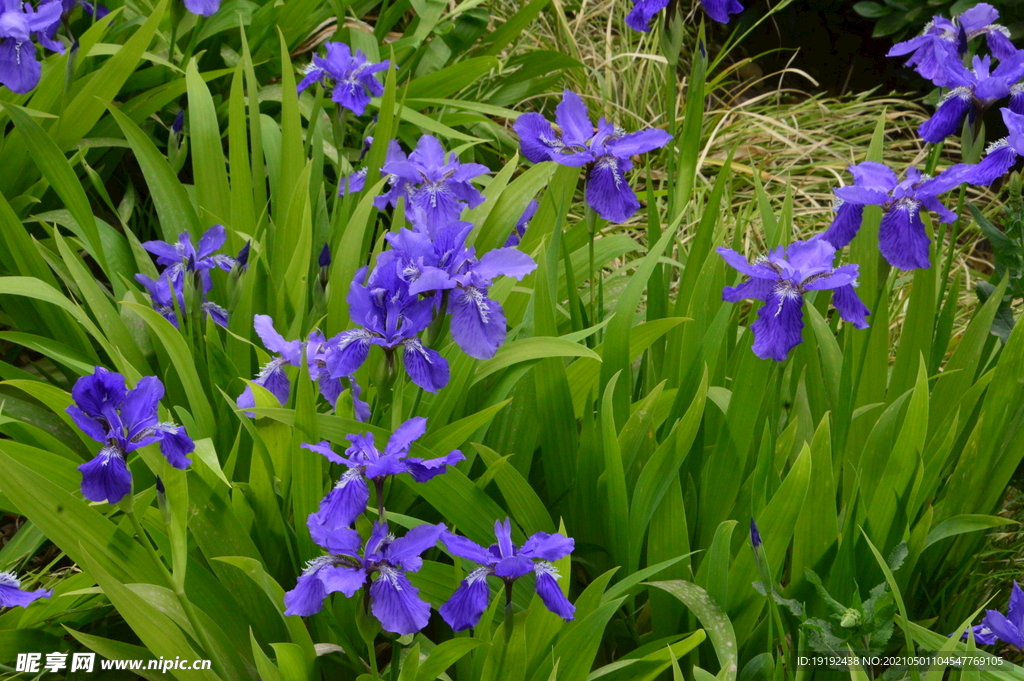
183	258
350	75
428	272
274	378
937	54
639	18
606	152
122	421
379	567
781	280
944	41
21	27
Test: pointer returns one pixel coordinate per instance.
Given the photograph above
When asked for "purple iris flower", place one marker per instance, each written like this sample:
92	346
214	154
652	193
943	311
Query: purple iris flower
639	18
781	279
183	256
520	229
162	298
123	421
352	75
973	91
999	627
351	184
436	190
20	24
391	317
444	263
507	562
204	8
944	41
394	601
348	499
902	237
272	375
12	595
606	152
1001	154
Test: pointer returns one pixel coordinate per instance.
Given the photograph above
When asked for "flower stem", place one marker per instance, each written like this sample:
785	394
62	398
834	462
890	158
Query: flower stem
591	218
179	590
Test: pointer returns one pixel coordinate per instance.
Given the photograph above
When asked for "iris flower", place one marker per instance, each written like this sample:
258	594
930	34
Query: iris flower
973	91
351	75
365	462
182	256
390	317
394	601
444	263
605	152
639	18
436	189
20	24
507	562
944	41
123	421
1001	154
780	280
902	238
12	595
999	627
272	375
160	292
204	8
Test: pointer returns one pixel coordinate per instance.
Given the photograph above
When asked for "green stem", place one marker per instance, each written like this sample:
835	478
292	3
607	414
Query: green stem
179	590
193	41
591	218
372	654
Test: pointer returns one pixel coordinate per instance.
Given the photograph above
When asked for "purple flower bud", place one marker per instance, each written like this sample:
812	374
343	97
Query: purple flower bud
179	123
243	255
755	535
325	256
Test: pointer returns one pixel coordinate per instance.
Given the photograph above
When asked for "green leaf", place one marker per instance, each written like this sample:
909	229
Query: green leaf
711	615
962	524
211	178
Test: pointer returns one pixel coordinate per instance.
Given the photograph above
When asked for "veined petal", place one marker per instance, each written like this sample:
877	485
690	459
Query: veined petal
343	504
537	138
849	305
845	225
1015	613
1003	628
425	366
719	10
639	18
211	241
779	324
87	424
106	477
139	409
338	540
307	598
347	580
550	593
902	238
996	163
510	262
608	192
352	349
465	548
640	142
423	470
463	610
323	448
758	289
396	603
548	547
478	323
405	551
11	596
948	118
574	119
405	435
